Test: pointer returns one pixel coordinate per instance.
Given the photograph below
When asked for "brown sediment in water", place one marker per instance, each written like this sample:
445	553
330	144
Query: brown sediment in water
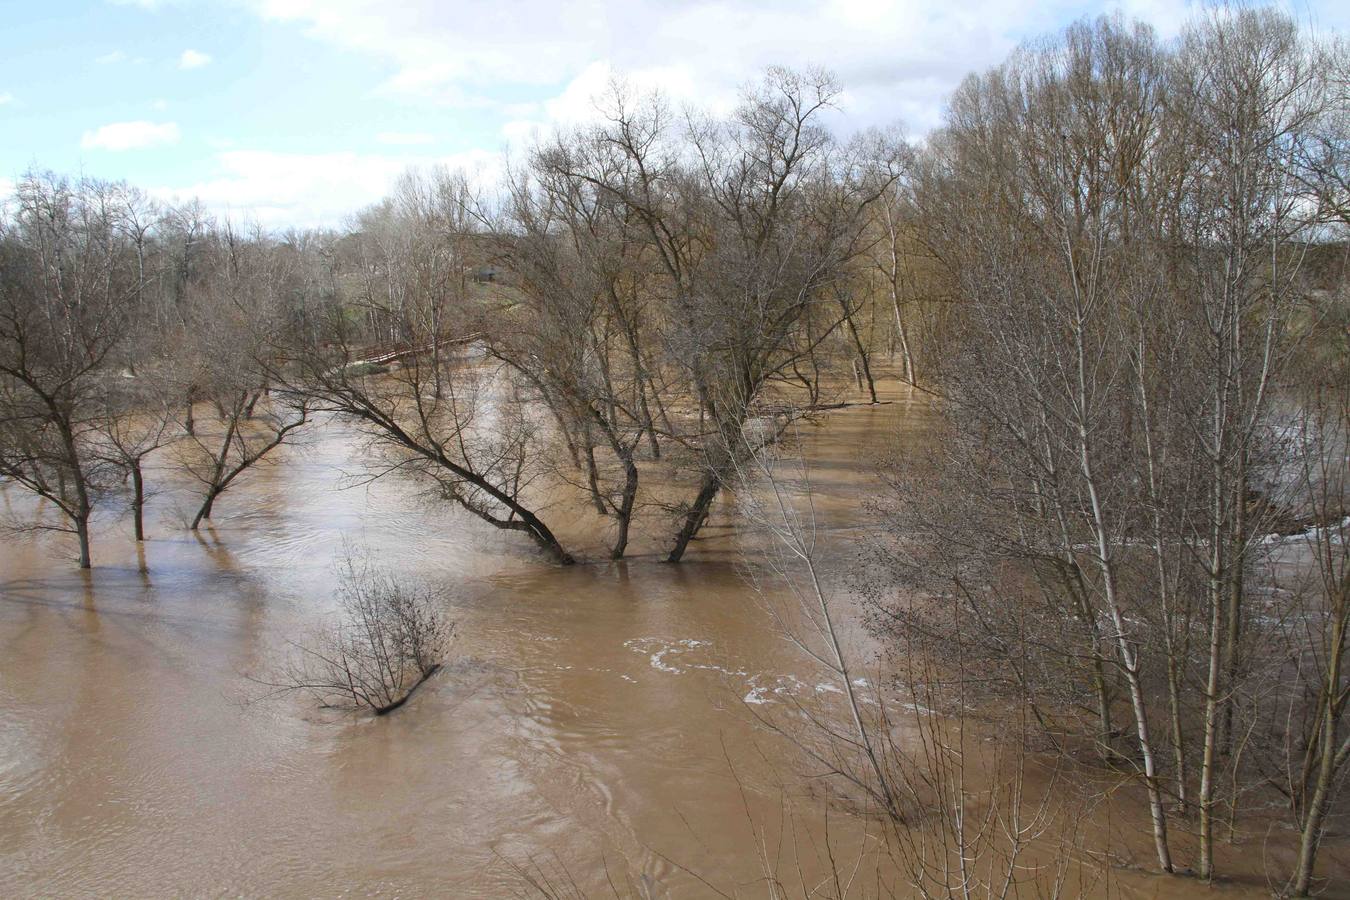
592	718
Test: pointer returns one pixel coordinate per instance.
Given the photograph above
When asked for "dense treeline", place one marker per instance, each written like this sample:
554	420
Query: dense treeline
1120	264
1137	517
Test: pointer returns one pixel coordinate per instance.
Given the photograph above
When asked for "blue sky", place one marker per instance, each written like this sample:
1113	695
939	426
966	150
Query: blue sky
297	112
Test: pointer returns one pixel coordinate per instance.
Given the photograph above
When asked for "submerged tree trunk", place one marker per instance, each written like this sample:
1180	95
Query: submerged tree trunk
698	513
1330	759
1217	605
82	532
214	486
625	514
902	332
204	511
1208	760
536	529
390	707
138	499
1125	647
1129	663
906	355
83	504
865	375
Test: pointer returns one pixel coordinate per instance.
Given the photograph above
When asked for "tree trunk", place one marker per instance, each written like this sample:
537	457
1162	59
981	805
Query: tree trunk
1217	604
542	535
866	372
205	511
1330	756
871	382
1178	734
593	479
1237	571
1129	661
138	499
83	505
82	531
698	513
218	478
902	332
630	485
906	356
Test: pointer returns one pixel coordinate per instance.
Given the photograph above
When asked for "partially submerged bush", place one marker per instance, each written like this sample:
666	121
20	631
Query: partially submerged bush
390	636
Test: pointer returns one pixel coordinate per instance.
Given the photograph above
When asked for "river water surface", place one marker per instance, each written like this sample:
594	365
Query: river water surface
585	720
588	723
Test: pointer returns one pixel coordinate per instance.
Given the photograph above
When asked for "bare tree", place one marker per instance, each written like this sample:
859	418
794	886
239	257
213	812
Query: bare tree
576	323
247	435
944	830
1249	90
1317	498
67	282
464	426
138	420
751	221
237	316
390	636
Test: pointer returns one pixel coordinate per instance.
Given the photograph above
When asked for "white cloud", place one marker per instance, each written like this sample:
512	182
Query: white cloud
193	59
533	67
6	98
1166	16
404	138
312	189
115	56
130	136
586	96
895	57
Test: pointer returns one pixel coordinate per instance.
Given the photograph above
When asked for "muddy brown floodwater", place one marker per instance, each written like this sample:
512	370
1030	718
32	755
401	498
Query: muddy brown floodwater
587	722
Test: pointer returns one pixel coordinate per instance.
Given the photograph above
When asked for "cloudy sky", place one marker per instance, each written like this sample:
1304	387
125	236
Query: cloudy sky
296	112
